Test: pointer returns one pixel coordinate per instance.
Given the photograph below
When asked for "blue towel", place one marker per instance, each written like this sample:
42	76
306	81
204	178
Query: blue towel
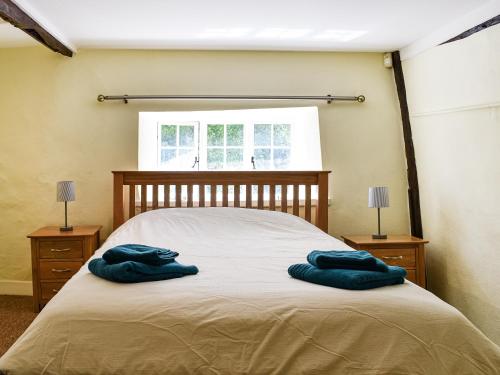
354	260
347	279
135	272
139	253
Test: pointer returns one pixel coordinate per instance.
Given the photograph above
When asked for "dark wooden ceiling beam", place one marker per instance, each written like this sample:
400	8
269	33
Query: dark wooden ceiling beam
11	13
483	26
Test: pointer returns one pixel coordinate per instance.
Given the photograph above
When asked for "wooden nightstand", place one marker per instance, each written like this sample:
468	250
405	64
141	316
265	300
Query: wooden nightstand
398	250
56	256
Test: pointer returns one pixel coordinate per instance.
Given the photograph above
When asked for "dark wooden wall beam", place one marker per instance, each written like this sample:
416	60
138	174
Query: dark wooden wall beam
491	22
11	13
413	192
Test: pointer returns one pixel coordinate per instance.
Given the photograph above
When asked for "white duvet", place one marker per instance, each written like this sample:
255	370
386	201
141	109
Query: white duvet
242	313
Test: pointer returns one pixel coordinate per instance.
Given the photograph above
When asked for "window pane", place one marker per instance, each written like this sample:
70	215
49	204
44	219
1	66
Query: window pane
281	158
262	158
235	135
281	135
186	135
167	155
262	134
215	158
184	151
234	158
169	135
215	135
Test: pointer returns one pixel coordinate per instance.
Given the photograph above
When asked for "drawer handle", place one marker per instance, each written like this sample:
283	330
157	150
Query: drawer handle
393	258
60	250
55	290
63	270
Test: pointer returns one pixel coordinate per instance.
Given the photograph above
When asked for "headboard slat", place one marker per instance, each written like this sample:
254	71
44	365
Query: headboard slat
166	196
144	196
225	200
201	193
236	202
272	197
296	200
155	197
131	201
213	195
248	193
284	198
178	196
308	203
260	197
190	195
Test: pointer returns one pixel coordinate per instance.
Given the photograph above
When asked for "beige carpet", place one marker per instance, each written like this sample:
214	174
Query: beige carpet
16	314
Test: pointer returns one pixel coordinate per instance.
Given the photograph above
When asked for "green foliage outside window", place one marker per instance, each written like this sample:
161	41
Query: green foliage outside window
215	135
169	135
234	135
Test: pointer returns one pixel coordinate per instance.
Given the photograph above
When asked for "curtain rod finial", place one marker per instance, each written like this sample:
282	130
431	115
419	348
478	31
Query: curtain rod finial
361	98
100	98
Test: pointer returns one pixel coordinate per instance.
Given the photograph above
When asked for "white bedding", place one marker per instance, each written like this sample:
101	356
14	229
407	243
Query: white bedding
243	314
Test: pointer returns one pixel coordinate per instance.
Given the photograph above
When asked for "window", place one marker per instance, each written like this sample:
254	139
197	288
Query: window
225	146
177	145
271	146
261	139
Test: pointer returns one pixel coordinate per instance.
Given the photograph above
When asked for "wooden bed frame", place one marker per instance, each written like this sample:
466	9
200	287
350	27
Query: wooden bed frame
143	179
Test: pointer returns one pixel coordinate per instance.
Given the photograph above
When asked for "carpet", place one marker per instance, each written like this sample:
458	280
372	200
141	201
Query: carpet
16	314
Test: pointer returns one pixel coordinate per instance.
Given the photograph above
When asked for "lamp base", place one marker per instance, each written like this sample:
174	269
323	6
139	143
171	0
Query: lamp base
66	229
379	236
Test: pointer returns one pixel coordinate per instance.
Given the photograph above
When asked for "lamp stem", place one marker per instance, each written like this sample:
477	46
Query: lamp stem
378	214
66	215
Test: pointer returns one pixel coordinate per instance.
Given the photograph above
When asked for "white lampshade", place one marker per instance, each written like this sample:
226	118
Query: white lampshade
65	191
378	197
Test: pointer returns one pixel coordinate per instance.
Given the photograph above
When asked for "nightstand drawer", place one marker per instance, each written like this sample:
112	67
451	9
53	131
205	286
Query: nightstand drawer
49	289
58	270
411	276
60	249
404	257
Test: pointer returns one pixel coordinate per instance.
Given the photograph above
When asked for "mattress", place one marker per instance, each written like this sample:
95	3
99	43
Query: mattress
242	313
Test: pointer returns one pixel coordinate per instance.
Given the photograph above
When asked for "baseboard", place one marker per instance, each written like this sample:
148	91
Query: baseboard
16	288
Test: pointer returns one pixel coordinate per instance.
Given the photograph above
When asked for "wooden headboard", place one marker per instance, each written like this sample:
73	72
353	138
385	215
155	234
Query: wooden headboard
152	181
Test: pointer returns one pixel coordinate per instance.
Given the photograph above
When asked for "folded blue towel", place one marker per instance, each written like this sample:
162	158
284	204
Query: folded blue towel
135	272
139	253
354	260
347	279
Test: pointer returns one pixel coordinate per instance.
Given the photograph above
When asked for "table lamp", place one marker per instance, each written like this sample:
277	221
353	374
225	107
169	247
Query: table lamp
65	193
378	197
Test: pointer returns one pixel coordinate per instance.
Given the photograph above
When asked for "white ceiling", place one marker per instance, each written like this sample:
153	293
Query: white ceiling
320	25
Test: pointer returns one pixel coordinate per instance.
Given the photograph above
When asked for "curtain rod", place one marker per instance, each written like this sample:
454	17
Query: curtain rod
328	98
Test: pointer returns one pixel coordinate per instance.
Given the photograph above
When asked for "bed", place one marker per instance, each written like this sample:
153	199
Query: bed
242	313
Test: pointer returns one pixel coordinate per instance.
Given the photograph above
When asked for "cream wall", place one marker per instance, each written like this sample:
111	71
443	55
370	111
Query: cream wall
52	128
454	100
